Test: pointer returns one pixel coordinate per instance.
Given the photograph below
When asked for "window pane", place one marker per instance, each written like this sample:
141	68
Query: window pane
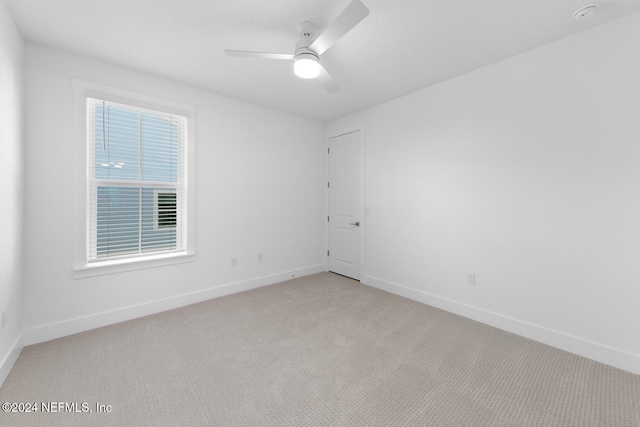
117	143
154	236
118	219
159	148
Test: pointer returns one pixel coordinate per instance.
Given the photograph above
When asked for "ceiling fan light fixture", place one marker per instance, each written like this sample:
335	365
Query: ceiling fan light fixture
306	66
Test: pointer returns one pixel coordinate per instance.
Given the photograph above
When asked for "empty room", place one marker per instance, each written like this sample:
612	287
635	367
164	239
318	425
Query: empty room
336	213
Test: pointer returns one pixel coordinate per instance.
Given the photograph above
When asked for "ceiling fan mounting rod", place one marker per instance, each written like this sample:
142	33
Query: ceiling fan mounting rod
307	29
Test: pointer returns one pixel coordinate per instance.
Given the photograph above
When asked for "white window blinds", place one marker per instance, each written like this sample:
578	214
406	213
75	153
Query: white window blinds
136	171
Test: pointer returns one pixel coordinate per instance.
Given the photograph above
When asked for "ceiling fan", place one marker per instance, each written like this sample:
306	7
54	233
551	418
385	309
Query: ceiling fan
307	52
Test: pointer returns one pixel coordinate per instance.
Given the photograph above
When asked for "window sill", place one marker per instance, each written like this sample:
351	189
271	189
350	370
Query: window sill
124	265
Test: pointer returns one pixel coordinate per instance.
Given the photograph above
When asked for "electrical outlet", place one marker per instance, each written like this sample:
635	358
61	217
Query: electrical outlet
471	279
260	257
234	261
4	319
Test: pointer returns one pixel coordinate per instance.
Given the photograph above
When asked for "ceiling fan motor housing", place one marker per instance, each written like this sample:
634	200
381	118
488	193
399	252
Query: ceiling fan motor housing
303	51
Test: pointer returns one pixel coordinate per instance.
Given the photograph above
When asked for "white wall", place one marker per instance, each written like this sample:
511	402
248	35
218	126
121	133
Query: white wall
11	176
260	178
526	173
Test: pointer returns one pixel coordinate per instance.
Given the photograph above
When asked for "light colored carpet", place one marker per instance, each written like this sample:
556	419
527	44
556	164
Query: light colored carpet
320	350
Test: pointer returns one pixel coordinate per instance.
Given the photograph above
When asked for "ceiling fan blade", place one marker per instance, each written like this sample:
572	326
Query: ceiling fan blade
349	18
263	55
327	81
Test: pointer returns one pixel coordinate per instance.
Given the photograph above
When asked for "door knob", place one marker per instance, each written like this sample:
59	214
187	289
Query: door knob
357	223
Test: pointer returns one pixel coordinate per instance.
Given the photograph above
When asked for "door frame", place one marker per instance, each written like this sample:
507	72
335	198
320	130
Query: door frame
363	220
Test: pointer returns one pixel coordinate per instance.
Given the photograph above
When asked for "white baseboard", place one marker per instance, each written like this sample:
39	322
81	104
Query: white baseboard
591	350
10	358
73	326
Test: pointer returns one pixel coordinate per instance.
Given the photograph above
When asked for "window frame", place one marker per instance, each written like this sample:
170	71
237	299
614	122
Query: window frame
82	267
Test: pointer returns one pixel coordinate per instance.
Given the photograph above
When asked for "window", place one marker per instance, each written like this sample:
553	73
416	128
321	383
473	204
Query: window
136	181
133	181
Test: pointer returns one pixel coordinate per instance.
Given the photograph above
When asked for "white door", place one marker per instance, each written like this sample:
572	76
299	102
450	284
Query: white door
345	204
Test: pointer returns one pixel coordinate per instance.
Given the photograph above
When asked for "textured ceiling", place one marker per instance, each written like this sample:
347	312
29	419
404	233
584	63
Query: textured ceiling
402	46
